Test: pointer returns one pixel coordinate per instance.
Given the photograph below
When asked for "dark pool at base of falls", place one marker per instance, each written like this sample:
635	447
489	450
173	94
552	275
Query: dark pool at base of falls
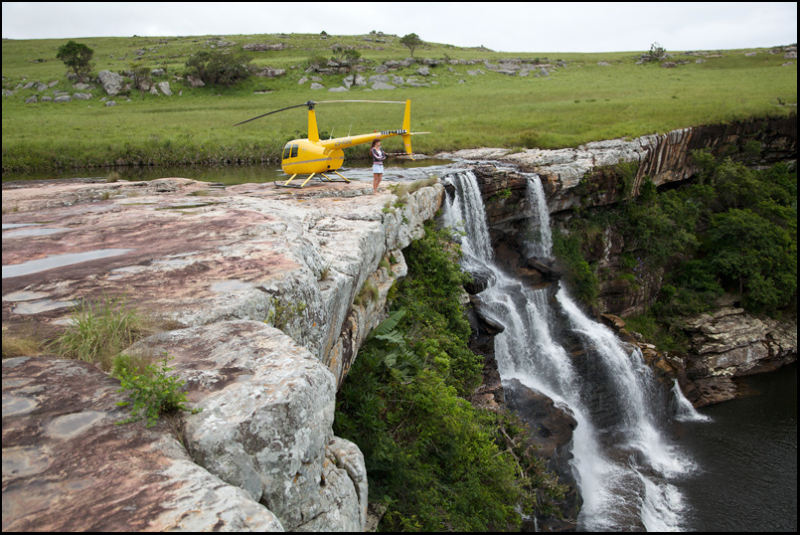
747	459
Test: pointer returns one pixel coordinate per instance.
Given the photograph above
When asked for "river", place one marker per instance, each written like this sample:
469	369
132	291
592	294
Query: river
396	169
747	459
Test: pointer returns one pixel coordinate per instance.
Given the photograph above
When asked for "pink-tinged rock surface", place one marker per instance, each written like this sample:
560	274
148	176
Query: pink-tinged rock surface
222	264
68	467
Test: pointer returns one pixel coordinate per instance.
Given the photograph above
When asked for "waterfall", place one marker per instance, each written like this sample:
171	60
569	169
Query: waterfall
540	240
621	458
685	411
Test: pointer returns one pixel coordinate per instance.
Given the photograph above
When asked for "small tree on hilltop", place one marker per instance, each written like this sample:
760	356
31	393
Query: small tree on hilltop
412	42
657	52
76	57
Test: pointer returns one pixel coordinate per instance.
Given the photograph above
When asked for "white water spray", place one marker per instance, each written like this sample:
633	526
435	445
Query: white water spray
540	241
685	411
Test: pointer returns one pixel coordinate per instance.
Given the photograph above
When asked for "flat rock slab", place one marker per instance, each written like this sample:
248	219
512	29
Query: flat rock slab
68	467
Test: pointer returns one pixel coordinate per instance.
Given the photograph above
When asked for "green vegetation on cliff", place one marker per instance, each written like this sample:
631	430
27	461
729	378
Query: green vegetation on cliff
732	229
565	100
436	462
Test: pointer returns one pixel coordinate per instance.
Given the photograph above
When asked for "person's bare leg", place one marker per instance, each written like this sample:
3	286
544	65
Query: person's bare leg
376	181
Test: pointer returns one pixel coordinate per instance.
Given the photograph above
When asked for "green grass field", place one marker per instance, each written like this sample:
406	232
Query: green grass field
576	104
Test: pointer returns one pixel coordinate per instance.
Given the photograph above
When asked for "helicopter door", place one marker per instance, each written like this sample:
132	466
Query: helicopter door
290	151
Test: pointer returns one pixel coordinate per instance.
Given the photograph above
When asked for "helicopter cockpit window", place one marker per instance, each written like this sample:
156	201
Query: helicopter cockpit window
286	151
294	151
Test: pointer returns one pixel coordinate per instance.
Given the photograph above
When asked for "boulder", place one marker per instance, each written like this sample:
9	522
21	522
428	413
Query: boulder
266	422
31	100
82	96
269	72
382	86
157	72
62	98
164	88
194	81
317	85
348	81
110	103
111	82
423	71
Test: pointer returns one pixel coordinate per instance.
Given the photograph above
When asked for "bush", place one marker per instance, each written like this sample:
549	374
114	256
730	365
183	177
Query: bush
152	390
218	68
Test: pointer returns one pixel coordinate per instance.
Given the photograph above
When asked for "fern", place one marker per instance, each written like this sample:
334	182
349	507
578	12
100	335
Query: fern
387	325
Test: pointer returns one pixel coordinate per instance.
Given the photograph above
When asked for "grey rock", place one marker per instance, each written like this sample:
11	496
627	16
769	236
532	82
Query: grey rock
164	88
111	82
194	81
157	72
423	71
31	100
62	98
110	103
302	80
267	429
338	90
348	81
790	55
382	86
154	90
47	99
41	87
80	86
317	85
8	93
751	54
378	78
82	96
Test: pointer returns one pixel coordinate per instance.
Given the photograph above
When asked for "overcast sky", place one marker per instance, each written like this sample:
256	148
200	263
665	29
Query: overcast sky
505	27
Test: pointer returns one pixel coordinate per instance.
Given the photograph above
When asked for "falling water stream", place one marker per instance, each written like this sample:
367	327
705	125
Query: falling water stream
622	460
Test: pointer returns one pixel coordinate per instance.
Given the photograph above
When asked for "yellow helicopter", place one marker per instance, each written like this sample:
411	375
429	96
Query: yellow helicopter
313	156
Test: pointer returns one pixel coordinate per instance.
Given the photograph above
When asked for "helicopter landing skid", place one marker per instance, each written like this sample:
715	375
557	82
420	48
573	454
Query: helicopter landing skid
287	184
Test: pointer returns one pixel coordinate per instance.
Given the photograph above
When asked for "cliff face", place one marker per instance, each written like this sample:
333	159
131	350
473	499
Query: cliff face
262	282
726	344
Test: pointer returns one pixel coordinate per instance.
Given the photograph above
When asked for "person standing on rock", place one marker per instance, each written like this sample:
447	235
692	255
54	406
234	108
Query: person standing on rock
378	156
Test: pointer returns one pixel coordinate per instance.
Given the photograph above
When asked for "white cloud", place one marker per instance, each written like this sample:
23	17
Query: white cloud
512	27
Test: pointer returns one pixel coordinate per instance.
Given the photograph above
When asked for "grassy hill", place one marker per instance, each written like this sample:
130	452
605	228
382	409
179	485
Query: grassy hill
577	102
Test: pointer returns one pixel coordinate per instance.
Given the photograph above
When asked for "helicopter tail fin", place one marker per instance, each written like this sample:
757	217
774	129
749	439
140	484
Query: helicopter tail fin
313	131
407	128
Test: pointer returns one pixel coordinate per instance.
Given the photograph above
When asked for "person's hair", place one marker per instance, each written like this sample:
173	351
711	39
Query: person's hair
375	141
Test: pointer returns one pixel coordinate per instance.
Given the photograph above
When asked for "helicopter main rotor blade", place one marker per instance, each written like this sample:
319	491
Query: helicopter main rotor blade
270	113
310	105
372	101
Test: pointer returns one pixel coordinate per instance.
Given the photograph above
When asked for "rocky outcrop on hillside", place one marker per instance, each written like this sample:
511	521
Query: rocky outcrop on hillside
263	282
